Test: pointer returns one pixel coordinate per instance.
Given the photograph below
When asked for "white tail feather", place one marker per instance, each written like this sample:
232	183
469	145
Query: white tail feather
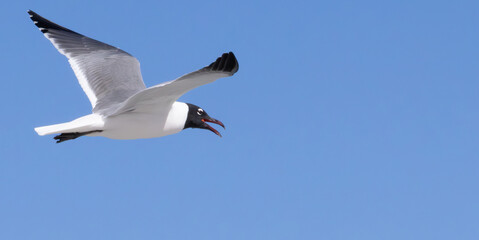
52	129
84	124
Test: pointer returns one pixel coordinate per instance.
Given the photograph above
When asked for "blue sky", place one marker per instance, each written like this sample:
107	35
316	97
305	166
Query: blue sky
346	120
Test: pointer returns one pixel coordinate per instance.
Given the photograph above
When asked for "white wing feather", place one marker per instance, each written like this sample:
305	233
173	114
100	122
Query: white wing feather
106	74
165	94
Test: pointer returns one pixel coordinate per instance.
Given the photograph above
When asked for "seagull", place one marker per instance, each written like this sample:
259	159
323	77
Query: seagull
122	106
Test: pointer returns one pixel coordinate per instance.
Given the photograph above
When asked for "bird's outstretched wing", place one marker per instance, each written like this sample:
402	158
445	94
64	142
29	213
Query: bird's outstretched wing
107	74
163	95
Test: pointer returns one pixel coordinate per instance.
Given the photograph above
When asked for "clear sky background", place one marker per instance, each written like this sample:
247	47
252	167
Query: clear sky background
346	120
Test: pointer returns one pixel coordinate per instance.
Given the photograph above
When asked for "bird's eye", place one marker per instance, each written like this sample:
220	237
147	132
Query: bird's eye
200	111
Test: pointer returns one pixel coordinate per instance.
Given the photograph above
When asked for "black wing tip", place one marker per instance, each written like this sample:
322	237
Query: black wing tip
33	15
226	63
44	24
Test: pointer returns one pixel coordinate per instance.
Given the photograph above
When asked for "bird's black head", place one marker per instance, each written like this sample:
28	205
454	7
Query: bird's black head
197	118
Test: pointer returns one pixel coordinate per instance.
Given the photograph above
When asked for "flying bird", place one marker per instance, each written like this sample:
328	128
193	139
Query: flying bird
122	106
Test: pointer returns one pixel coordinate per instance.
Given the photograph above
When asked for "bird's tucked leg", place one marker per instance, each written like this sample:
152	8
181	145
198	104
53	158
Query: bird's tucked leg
69	136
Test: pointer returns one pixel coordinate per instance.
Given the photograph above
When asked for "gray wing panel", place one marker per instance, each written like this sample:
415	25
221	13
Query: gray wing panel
107	74
163	95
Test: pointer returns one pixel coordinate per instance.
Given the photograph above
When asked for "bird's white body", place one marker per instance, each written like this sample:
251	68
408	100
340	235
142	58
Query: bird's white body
147	124
129	125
